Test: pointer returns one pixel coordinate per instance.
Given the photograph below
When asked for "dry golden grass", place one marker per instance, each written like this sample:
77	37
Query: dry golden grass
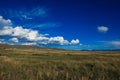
21	63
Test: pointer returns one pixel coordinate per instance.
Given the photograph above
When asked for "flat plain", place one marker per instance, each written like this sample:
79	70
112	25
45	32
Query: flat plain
38	63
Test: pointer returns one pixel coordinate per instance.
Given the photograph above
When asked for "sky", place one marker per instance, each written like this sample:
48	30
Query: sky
66	24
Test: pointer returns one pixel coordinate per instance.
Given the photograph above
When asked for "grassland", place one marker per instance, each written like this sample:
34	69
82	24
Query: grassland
34	63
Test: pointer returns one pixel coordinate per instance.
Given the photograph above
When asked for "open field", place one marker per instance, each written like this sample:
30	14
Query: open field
34	63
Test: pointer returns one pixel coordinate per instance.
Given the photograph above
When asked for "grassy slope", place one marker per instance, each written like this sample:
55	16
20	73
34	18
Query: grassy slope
34	63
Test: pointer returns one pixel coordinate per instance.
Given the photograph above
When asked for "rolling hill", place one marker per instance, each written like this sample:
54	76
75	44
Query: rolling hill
39	63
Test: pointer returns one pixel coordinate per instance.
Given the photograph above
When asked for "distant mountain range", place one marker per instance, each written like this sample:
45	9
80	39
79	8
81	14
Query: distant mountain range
3	46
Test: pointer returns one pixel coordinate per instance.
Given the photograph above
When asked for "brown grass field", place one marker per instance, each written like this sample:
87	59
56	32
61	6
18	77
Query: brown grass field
37	63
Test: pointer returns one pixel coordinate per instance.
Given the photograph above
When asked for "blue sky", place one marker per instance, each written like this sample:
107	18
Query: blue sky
67	24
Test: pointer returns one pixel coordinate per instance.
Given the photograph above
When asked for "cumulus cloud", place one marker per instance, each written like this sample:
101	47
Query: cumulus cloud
103	29
14	40
6	30
4	22
32	36
25	33
75	41
58	40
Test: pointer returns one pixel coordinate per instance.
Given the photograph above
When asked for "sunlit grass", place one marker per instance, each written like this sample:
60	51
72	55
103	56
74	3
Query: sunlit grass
50	64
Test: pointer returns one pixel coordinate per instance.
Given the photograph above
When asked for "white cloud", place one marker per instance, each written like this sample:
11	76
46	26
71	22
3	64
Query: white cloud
58	40
28	43
103	29
19	31
14	40
29	34
4	22
75	41
33	36
6	30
